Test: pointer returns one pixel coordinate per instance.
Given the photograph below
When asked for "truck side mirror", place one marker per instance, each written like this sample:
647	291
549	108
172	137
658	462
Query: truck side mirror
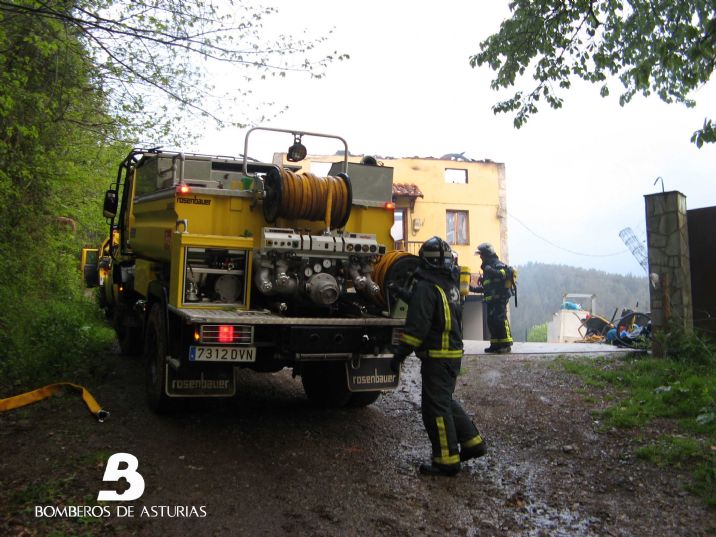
110	204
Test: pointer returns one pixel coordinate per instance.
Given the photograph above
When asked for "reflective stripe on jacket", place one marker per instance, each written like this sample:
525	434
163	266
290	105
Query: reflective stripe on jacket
493	281
434	321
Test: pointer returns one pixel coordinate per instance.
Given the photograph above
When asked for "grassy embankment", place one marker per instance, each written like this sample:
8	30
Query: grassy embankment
678	392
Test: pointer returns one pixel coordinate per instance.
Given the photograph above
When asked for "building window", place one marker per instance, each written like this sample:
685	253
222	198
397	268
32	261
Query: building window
458	226
457	176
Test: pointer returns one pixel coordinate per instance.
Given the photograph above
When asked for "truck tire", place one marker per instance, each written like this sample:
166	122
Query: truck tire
362	399
155	352
129	332
325	384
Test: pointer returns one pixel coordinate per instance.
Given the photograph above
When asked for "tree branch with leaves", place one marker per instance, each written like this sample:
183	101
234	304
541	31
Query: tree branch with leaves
662	47
150	58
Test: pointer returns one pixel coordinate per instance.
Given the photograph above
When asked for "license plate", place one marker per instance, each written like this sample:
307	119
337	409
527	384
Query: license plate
222	354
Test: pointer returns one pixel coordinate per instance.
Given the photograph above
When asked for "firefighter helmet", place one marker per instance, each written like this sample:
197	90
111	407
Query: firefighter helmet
485	249
436	253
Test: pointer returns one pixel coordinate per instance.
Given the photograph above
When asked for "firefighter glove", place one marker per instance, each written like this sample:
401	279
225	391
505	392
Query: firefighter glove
395	362
399	291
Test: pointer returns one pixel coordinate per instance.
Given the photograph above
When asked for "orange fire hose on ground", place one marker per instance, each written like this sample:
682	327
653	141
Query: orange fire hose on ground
39	394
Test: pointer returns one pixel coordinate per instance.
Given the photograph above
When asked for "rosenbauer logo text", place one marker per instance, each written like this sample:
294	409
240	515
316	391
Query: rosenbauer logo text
121	466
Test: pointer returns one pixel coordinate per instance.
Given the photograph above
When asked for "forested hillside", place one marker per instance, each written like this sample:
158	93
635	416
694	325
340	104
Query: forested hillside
542	286
56	156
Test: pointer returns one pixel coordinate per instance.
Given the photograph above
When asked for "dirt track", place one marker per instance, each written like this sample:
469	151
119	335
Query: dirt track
268	463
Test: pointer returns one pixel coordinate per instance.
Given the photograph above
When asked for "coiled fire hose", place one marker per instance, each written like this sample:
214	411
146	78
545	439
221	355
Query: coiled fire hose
34	396
305	196
382	273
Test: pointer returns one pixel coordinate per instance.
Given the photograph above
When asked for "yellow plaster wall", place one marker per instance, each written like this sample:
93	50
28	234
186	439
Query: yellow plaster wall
480	197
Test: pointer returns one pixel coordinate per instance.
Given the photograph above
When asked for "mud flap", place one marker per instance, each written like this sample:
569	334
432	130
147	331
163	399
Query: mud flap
371	374
194	382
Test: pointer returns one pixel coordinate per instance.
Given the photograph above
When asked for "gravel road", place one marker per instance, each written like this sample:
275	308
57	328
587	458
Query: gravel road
268	463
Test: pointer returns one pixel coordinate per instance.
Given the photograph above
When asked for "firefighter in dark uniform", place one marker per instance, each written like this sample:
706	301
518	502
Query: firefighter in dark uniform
433	328
496	296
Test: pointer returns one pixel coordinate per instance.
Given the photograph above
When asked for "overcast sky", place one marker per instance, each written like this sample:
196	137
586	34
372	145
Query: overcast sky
575	176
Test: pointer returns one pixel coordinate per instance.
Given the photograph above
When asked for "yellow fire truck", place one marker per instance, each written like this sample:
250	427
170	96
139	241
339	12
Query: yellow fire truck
222	263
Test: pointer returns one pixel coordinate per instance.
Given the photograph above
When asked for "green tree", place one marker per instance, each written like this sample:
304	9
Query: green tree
666	47
55	141
49	109
150	59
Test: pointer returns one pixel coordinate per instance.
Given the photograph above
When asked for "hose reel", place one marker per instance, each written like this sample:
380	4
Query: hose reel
394	267
305	196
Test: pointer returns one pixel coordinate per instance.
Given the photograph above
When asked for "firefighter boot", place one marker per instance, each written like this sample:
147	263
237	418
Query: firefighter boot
433	468
473	452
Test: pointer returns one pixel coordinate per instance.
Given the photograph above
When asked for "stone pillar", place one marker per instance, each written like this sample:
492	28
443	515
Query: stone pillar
669	268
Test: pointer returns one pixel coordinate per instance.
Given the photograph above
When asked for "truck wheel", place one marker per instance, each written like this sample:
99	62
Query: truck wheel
361	399
325	384
129	332
155	352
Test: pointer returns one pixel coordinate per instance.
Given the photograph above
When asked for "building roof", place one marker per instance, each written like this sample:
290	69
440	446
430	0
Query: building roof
407	189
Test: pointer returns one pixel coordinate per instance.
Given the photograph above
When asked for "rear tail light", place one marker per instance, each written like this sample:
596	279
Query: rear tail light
227	334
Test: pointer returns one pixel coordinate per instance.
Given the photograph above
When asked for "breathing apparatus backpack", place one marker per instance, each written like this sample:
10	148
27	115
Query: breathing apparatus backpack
511	281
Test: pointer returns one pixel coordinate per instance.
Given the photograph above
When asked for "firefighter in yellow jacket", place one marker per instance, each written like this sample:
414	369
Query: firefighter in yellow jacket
433	328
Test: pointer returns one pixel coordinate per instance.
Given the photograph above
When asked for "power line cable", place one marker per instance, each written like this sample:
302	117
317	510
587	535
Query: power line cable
621	252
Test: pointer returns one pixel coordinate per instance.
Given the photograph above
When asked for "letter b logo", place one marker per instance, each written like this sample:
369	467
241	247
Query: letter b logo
113	473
